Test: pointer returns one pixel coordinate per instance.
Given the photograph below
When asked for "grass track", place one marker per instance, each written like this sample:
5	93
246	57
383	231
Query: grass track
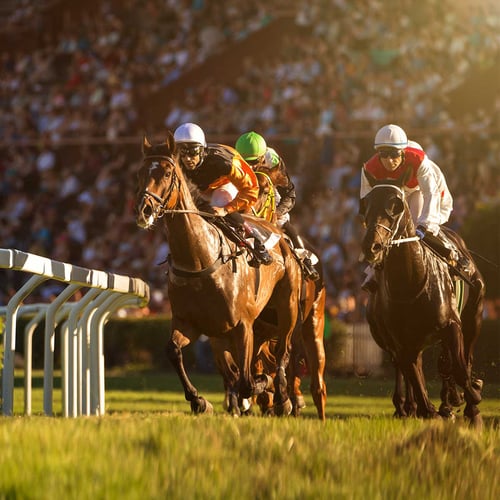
149	446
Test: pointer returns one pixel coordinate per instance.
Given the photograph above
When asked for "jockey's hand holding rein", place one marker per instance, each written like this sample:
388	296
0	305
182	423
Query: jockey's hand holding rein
219	211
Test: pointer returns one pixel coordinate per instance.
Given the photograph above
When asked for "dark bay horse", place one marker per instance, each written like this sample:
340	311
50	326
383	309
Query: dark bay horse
211	286
416	304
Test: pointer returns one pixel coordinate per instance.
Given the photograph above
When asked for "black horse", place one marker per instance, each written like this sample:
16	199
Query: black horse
416	304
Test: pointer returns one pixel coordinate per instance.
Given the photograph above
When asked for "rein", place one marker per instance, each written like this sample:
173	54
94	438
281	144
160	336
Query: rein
221	259
161	210
395	241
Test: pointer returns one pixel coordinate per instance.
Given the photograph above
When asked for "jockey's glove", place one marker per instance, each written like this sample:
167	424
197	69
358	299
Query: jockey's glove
421	232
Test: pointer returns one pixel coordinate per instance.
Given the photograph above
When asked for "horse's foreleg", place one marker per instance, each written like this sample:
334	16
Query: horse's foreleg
411	365
450	396
243	347
282	403
175	345
398	399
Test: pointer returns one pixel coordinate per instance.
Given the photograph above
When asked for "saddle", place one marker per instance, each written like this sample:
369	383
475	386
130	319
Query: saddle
237	234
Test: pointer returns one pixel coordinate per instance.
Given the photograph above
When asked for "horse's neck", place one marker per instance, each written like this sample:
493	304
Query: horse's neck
405	266
194	243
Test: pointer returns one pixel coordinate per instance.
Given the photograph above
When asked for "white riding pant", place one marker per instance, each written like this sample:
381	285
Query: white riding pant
223	195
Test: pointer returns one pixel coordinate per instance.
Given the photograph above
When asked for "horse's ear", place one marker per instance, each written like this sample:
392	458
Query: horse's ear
369	177
170	141
146	145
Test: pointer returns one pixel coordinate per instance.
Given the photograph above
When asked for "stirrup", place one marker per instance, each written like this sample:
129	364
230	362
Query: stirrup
309	270
260	255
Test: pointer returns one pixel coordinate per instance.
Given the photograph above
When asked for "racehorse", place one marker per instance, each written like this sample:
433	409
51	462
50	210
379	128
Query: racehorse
416	304
307	341
211	285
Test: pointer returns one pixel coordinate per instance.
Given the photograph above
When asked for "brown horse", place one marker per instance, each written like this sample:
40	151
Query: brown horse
416	305
307	350
211	286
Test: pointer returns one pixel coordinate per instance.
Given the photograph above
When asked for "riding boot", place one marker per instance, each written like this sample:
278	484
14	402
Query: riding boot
261	255
308	268
447	249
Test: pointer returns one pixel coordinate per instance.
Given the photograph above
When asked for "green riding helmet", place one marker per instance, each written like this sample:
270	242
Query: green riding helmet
251	146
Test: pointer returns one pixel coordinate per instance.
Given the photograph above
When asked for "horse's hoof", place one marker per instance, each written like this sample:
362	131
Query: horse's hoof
476	422
246	406
283	409
300	402
233	408
200	405
447	413
265	402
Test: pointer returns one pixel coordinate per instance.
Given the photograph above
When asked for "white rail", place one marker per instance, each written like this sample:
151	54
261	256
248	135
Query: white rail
82	363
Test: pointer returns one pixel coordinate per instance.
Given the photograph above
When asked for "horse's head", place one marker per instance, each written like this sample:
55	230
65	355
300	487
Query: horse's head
158	181
277	173
386	216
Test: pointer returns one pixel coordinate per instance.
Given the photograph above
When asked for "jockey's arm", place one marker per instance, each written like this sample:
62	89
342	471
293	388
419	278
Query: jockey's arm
428	180
243	177
365	186
287	198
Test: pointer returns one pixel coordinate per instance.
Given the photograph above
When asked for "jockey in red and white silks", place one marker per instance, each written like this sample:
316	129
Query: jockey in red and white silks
427	193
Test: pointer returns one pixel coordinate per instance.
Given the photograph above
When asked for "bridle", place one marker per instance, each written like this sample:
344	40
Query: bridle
393	240
395	226
159	208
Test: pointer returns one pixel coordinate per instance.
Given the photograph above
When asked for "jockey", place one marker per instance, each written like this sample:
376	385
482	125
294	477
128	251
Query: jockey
427	193
255	152
224	178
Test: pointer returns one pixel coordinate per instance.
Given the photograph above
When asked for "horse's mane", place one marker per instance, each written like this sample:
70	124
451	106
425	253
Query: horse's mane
199	200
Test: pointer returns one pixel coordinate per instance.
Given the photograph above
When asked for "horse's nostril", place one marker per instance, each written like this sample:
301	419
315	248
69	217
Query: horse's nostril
376	247
147	211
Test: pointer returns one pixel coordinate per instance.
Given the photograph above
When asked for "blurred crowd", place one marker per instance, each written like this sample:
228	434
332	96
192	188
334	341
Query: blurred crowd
351	67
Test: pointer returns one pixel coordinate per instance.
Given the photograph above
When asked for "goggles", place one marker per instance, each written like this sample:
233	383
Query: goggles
389	153
255	161
190	150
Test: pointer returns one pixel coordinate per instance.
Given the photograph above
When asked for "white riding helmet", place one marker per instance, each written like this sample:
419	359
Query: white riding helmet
391	136
190	132
415	145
